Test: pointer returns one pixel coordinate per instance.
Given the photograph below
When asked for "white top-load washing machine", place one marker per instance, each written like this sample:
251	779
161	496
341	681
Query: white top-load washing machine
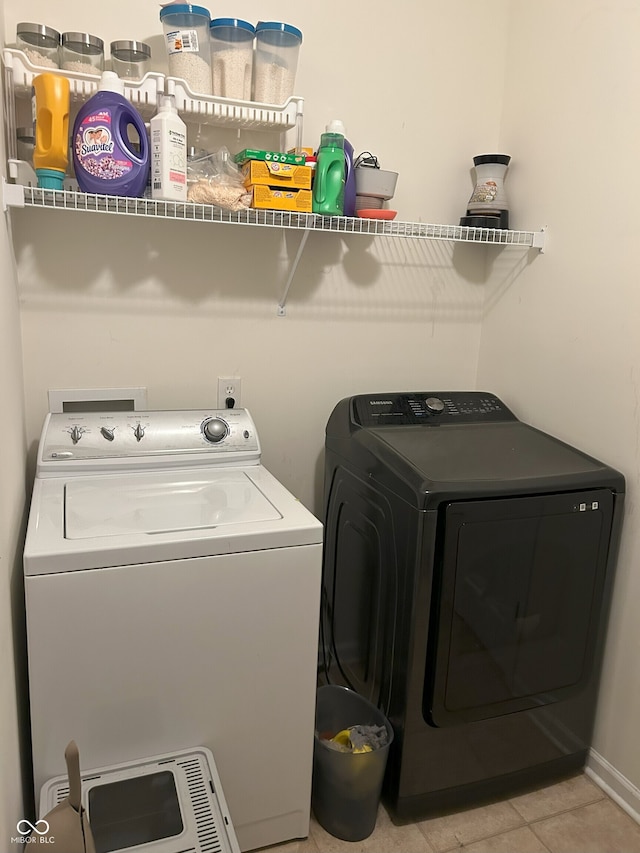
172	597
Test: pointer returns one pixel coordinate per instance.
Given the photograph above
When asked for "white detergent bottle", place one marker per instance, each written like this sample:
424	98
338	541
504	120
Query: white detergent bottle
168	153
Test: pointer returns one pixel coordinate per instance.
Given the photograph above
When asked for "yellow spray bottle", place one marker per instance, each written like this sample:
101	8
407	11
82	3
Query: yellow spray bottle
51	115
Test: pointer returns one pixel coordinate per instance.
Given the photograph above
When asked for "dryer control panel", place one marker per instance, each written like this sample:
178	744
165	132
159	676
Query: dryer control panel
107	438
430	408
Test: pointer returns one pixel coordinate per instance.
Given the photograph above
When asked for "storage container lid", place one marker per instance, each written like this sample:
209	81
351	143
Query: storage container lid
38	34
83	42
130	51
276	32
235	23
182	14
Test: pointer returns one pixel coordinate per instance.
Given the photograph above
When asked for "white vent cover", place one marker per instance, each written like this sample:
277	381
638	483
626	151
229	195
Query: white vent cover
184	790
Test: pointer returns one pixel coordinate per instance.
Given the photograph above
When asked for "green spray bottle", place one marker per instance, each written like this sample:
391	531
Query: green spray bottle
329	180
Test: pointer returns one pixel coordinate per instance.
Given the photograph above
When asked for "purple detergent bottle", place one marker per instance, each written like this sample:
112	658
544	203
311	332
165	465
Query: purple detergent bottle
105	160
349	205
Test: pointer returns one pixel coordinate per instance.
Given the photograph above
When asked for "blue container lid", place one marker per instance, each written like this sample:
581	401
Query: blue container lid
183	14
275	32
50	179
234	23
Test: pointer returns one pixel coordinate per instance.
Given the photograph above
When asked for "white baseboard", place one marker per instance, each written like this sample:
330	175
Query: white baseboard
617	786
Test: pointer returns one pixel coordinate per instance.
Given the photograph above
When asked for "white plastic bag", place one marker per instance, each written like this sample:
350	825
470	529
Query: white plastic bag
215	179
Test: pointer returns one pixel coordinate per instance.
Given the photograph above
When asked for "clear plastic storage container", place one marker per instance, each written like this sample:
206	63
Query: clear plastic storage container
83	53
25	143
40	44
276	61
186	34
232	57
130	59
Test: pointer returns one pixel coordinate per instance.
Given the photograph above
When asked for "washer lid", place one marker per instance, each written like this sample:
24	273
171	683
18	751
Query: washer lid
121	519
146	503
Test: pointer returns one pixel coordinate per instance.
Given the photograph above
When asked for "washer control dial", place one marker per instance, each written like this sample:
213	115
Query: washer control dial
215	429
139	432
435	405
76	434
108	432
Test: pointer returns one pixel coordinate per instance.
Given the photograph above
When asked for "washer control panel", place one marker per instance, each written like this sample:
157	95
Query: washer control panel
218	434
428	408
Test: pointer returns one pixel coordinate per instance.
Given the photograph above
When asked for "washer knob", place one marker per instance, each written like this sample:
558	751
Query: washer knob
214	430
139	432
434	404
108	432
76	434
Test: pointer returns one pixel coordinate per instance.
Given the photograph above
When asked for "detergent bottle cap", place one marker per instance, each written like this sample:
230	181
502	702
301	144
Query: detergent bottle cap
168	104
336	126
110	82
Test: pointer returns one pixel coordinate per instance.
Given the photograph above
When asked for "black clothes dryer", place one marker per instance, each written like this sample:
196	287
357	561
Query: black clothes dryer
468	566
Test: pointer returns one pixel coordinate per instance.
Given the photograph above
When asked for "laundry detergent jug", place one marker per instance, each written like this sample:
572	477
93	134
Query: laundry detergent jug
105	159
329	180
349	203
51	110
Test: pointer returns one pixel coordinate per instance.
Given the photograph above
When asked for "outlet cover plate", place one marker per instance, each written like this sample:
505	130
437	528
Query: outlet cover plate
229	386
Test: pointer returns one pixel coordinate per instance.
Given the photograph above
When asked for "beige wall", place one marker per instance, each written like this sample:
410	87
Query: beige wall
109	302
562	341
173	305
12	509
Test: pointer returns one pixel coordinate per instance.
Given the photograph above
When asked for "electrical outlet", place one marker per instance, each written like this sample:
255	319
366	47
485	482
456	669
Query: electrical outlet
229	388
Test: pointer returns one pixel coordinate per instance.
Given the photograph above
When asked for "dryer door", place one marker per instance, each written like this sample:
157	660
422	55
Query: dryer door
521	584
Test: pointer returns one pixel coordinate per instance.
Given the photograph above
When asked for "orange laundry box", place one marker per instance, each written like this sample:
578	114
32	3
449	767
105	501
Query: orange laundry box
275	198
308	152
257	172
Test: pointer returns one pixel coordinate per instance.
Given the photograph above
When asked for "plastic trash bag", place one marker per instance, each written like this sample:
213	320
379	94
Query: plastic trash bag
215	179
358	739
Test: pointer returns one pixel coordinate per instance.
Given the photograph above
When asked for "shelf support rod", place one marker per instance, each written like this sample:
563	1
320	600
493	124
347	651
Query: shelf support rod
281	305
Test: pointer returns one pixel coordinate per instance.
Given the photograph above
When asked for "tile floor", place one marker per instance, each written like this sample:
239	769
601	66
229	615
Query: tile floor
571	816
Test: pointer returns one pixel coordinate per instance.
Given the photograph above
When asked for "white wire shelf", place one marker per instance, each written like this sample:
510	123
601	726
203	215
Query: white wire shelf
16	195
21	191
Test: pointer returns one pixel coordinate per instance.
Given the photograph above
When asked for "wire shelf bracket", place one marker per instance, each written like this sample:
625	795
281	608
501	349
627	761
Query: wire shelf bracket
292	272
12	195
